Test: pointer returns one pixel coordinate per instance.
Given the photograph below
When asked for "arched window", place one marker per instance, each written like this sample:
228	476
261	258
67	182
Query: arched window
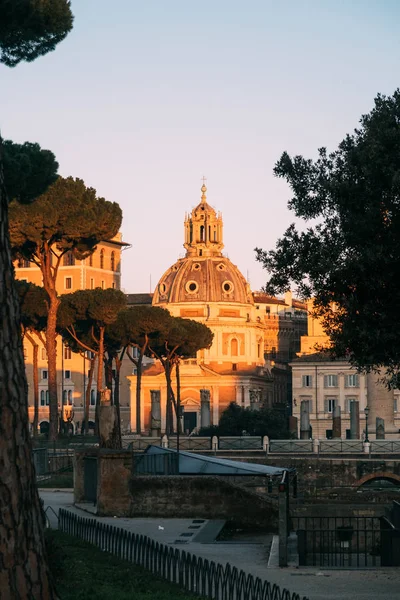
202	233
47	397
42	398
234	347
93	398
112	261
101	259
65	397
70	397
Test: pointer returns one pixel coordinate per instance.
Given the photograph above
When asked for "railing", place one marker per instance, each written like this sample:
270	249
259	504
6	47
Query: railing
295	446
48	461
190	443
383	446
195	574
339	541
140	443
240	443
342	446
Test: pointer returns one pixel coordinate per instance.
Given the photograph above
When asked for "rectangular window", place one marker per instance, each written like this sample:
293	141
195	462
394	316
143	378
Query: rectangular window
307	380
103	285
67	353
330	381
68	283
67	374
47	398
44	354
44	374
395	405
91	283
234	367
352	380
330	404
113	285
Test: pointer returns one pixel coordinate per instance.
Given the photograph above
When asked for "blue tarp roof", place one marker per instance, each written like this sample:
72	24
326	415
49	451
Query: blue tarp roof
198	464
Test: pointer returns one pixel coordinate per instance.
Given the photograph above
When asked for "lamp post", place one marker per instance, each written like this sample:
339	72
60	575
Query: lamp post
366	410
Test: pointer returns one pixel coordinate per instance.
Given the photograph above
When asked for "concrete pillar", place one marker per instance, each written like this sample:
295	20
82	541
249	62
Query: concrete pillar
336	423
215	404
305	420
293	424
381	404
155	424
205	408
380	429
354	420
255	399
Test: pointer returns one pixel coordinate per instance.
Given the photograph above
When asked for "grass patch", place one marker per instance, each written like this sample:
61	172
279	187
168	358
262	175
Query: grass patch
58	480
83	572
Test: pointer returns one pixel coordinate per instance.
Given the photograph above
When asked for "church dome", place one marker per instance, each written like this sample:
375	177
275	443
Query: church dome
203	279
204	275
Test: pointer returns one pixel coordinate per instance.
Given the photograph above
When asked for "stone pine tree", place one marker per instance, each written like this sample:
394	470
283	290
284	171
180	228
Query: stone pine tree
33	307
347	258
24	571
67	218
84	317
136	328
183	339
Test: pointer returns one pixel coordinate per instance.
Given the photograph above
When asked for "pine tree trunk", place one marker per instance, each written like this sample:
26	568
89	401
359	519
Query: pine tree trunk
35	347
23	563
138	392
51	347
99	380
88	392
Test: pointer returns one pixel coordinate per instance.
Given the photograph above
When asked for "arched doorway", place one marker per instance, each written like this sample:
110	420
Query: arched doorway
44	427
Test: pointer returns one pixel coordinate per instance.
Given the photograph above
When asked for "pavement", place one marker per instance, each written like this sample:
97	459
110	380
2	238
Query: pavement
255	554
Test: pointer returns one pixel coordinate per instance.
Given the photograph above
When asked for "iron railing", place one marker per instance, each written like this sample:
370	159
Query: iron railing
286	446
190	443
342	446
200	576
338	541
392	446
140	443
245	442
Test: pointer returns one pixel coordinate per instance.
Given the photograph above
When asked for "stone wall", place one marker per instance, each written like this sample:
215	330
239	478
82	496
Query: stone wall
200	497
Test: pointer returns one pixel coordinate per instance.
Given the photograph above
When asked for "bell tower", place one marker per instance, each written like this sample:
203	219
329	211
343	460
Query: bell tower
203	229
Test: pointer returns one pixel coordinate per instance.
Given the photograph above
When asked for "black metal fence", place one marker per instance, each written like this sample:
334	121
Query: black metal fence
194	574
339	541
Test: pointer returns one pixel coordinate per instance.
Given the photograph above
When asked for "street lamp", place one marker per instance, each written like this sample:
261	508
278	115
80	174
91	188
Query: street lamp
366	410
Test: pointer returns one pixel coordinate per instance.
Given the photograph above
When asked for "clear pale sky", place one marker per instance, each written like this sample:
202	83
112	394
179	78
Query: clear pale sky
144	98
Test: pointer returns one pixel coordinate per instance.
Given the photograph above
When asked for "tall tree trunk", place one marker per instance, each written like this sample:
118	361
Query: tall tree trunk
99	380
118	365
139	365
88	393
51	348
169	425
35	347
178	398
23	563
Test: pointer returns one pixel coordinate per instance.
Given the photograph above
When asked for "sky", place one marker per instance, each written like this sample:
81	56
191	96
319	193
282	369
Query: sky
143	99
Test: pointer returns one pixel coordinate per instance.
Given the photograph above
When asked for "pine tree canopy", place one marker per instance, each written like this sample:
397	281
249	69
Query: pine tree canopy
67	217
32	28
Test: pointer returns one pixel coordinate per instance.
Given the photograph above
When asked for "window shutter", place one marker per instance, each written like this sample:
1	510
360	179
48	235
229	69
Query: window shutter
326	408
346	381
325	381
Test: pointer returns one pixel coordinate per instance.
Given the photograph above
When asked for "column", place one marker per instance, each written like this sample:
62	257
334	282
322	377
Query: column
163	399
305	420
215	404
354	420
336	423
155	424
205	408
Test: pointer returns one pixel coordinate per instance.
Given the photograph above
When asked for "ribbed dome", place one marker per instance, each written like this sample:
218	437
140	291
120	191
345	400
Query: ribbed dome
203	279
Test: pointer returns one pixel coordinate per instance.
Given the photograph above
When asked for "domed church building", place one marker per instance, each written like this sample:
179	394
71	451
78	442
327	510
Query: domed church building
207	287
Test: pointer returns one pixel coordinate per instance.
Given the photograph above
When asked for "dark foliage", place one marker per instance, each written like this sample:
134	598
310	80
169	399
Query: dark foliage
348	257
32	28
